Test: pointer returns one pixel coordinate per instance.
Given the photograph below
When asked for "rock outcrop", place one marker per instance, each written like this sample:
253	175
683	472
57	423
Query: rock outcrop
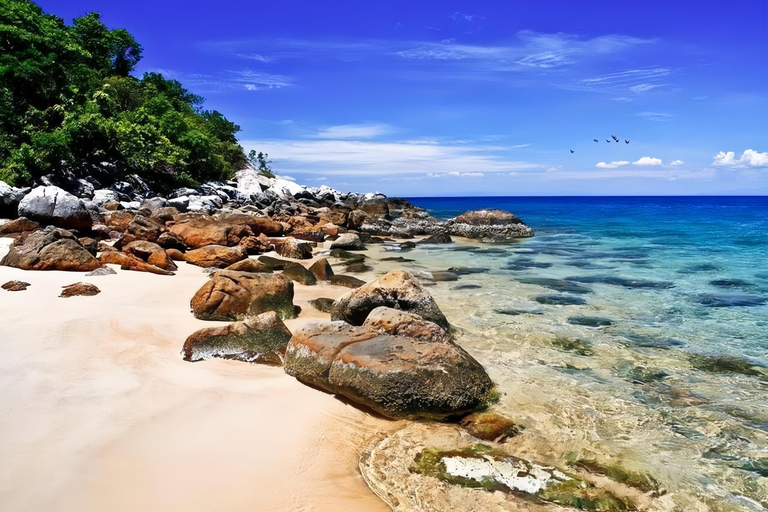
397	376
50	249
489	225
52	205
237	295
257	339
398	289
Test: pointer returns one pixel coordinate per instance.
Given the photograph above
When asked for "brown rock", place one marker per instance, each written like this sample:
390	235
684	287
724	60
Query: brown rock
488	217
175	254
490	426
50	249
168	240
198	230
297	272
18	226
130	262
347	281
119	220
258	339
256	244
249	265
292	248
274	263
236	295
330	229
90	244
356	218
15	286
399	323
398	289
396	376
76	289
322	270
323	304
215	256
144	228
152	253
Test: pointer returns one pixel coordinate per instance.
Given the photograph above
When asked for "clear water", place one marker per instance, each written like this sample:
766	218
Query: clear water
678	280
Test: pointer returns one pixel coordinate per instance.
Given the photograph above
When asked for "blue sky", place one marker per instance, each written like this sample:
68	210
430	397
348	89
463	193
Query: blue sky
443	98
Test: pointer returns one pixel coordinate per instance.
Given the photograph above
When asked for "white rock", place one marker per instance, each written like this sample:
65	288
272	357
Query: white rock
103	195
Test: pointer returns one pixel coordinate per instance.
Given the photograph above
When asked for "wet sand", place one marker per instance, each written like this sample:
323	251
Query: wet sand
99	411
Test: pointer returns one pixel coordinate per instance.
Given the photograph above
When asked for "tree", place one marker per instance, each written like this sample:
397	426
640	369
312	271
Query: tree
260	162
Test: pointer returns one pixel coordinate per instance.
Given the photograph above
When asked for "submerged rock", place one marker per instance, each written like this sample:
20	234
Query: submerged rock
347	281
258	339
731	301
398	289
590	321
561	300
397	376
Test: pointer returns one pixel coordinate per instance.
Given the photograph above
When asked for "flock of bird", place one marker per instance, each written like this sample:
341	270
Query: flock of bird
615	139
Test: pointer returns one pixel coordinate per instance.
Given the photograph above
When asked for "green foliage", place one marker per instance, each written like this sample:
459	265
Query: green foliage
260	162
68	99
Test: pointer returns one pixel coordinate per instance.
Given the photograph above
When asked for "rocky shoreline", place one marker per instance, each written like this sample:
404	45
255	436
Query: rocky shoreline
385	345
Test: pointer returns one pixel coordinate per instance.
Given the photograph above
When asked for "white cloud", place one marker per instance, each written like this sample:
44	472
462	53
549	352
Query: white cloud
354	131
227	81
750	158
455	174
611	165
677	162
648	161
639	88
333	157
660	117
255	56
633	80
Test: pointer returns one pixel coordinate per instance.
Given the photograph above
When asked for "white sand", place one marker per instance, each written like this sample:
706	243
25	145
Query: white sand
100	413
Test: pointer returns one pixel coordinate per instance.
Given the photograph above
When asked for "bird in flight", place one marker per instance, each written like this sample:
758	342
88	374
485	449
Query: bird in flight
625	140
607	140
572	151
614	138
595	140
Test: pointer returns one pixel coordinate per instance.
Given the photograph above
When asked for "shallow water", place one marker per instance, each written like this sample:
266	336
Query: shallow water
672	381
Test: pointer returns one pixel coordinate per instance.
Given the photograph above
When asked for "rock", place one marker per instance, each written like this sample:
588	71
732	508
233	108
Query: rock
119	220
236	295
375	206
292	248
215	256
18	227
168	240
206	204
356	268
50	249
356	219
151	253
131	262
9	200
399	323
322	270
396	376
322	304
175	254
398	289
144	228
76	289
299	273
349	257
181	203
258	339
274	263
89	244
348	241
490	426
15	286
347	281
105	195
249	265
489	224
256	245
197	230
437	238
52	205
103	271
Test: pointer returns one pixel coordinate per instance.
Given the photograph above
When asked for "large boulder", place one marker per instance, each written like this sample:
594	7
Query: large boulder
236	295
257	339
9	200
322	270
349	242
18	227
400	323
50	249
292	248
398	289
490	225
52	205
397	376
131	262
152	253
226	229
217	256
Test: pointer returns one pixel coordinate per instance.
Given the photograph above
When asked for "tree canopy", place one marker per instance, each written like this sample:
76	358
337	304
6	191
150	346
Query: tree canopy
68	101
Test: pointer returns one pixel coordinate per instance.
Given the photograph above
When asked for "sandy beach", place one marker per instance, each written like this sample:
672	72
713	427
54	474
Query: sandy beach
100	412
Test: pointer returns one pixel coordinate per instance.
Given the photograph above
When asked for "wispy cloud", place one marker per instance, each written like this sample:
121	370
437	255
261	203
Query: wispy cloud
255	56
659	117
455	174
227	80
633	80
611	165
750	158
354	131
677	162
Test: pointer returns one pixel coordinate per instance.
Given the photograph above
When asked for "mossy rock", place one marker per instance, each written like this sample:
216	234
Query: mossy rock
571	344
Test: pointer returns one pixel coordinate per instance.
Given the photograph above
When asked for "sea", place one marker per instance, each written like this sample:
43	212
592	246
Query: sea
628	331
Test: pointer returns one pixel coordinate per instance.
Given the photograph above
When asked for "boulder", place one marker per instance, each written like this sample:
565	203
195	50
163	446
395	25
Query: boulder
292	248
299	273
9	200
400	323
119	220
206	204
347	281
274	263
76	289
396	376
490	225
217	256
256	244
197	230
249	265
257	339
398	289
131	262
348	242
144	228
52	205
175	254
438	238
50	249
235	295
322	270
323	304
151	253
18	227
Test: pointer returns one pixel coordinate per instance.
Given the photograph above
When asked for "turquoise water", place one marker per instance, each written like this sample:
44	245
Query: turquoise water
626	329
